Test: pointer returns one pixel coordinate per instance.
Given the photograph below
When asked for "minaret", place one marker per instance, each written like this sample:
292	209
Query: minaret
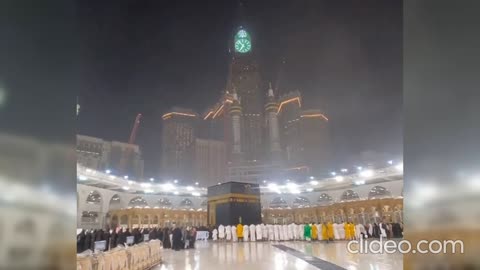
271	108
235	113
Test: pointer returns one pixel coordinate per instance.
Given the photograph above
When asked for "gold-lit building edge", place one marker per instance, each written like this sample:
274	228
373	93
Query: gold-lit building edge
362	211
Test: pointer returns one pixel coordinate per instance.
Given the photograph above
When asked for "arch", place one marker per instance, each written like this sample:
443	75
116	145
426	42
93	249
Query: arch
324	199
301	201
89	217
114	202
155	219
114	221
124	220
278	202
349	195
138	202
378	192
186	204
164	203
203	205
94	197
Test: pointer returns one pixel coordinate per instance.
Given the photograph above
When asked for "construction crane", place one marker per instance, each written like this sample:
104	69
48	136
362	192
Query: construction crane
128	151
133	134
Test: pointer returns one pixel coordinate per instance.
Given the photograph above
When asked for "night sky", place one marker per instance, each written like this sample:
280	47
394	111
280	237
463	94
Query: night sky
147	56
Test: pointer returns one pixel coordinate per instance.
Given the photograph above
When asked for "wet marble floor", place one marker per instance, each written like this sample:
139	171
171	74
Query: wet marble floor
276	255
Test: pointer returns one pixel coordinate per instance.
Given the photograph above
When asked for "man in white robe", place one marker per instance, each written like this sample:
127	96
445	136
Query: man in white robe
300	232
383	233
276	232
258	231
281	237
336	233
285	232
291	228
341	230
319	231
221	232
228	232
252	233
214	234
246	231
359	229
295	231
370	229
282	233
271	236
234	234
264	232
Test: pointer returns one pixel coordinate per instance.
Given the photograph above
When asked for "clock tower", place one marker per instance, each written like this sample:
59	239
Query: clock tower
244	80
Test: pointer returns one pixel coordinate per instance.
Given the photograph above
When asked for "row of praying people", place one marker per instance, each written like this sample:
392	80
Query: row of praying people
175	238
87	238
326	231
270	232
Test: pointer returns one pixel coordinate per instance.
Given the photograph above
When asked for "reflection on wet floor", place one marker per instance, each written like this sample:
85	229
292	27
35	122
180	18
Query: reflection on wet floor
263	255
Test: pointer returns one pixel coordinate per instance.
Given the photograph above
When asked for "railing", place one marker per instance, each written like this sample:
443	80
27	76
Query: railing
137	257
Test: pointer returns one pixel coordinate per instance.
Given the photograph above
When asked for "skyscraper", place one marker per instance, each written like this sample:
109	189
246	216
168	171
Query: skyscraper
316	142
244	79
210	162
289	110
263	137
305	137
99	154
272	128
178	144
216	123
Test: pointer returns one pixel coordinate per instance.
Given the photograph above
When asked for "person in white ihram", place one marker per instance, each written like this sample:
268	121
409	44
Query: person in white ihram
214	234
370	229
221	232
234	234
270	232
359	230
280	233
285	232
291	228
258	230
252	233
246	229
383	233
319	231
228	232
276	232
300	231
341	230
264	232
336	232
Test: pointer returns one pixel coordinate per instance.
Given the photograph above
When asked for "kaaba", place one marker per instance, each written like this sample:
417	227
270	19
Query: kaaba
234	202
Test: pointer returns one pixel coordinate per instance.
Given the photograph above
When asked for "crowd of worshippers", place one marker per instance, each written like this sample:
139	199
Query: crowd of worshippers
326	231
175	238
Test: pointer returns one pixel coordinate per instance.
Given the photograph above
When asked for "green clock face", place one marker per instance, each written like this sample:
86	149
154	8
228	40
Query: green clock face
243	45
242	42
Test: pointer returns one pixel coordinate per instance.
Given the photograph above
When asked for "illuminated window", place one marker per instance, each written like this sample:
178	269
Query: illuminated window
324	199
378	192
94	198
138	202
301	202
349	195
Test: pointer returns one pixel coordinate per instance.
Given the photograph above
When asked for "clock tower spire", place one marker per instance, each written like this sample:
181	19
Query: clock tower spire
244	75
